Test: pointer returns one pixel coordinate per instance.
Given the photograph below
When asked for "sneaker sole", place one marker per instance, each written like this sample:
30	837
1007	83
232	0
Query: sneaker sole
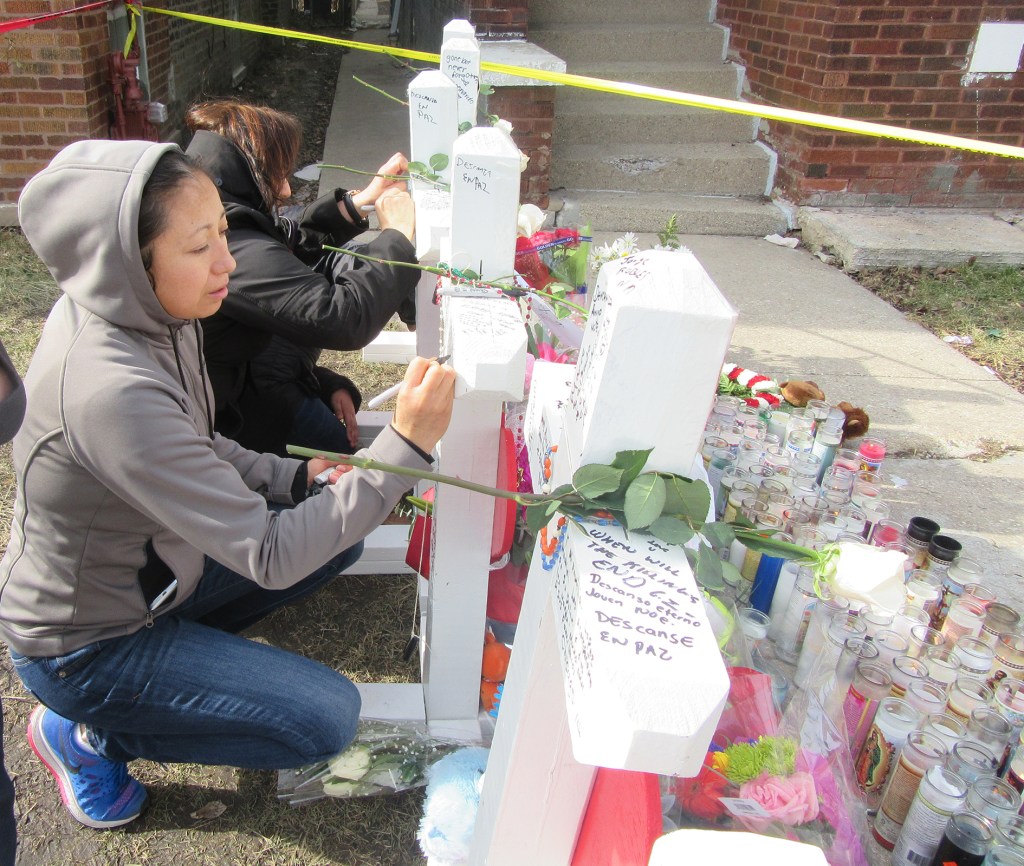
52	762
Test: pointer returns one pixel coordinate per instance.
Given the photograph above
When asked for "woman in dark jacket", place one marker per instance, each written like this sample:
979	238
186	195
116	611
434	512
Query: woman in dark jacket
289	298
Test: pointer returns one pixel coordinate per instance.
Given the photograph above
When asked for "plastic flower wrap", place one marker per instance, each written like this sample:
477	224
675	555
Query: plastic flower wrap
385	757
553	258
784	775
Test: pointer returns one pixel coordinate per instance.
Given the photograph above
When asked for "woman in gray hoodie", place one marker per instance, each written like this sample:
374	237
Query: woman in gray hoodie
142	540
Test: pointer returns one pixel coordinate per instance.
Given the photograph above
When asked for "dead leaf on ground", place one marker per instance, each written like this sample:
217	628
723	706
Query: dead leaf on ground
213	809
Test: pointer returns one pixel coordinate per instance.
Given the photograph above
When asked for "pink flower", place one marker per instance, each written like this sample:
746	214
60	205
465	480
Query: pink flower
793	800
546	352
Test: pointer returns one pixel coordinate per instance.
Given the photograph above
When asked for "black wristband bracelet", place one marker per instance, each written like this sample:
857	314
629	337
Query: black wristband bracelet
353	211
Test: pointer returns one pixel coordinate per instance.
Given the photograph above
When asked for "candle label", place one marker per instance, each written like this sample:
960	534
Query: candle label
906	779
875	761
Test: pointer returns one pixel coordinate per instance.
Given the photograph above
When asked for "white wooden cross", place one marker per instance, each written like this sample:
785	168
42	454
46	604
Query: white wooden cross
614	661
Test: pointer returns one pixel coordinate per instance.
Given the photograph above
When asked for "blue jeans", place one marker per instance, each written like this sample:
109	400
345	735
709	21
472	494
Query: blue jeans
316	426
190	690
8	825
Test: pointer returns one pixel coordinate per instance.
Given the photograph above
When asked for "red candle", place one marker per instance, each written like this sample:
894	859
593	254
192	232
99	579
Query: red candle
872	452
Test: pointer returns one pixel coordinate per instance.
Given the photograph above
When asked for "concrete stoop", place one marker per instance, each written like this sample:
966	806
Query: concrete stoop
628	164
865	238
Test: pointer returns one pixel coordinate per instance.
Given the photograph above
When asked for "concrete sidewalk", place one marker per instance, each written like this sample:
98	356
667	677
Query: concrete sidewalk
800	318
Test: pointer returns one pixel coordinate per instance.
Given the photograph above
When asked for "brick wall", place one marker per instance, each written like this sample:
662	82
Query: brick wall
531	111
55	85
500	19
52	87
897	62
493	19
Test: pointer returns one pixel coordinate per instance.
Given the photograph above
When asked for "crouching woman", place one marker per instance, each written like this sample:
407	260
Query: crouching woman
142	541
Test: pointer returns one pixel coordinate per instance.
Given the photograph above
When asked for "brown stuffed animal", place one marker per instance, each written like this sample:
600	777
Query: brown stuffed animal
856	423
799	394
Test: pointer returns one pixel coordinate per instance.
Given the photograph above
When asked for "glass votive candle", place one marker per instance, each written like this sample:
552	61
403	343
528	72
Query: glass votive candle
855	650
964	618
926	697
1009	702
742	488
992	798
862	495
1003	855
966	695
848	459
781	505
980	593
942	664
922	637
711	444
758	472
730	475
832	525
771	487
872	453
923	590
877	510
890	644
818	409
988	727
947	728
976	657
1009	650
856	520
999	619
799	441
886	531
876	620
904	548
971	761
904	671
1010	832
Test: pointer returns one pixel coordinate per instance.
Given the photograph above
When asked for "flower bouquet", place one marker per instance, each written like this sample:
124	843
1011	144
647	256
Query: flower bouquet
385	757
787	776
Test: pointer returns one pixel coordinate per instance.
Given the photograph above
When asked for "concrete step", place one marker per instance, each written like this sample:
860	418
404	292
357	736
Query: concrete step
706	79
618	13
667	42
696	215
702	169
614	118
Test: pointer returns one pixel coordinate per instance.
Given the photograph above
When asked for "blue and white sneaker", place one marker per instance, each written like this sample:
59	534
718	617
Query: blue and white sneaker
97	792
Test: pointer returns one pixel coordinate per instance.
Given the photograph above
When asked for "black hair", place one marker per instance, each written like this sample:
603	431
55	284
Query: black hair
170	172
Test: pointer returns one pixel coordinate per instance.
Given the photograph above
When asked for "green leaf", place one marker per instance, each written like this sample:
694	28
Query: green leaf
645	498
994	332
439	162
764	544
562	491
709	569
718	534
686	497
418	167
631	463
670	530
486	89
731	574
537	517
552	507
742	522
596	479
465	126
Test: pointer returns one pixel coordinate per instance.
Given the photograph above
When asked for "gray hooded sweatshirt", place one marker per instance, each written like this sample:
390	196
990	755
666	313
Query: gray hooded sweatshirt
122	485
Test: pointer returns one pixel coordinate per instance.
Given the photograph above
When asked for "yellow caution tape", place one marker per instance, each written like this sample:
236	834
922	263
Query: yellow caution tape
657	94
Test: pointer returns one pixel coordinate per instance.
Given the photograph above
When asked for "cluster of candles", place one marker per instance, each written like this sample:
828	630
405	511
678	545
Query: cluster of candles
933	694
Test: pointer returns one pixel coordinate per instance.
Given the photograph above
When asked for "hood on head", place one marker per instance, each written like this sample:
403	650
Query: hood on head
229	168
81	216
